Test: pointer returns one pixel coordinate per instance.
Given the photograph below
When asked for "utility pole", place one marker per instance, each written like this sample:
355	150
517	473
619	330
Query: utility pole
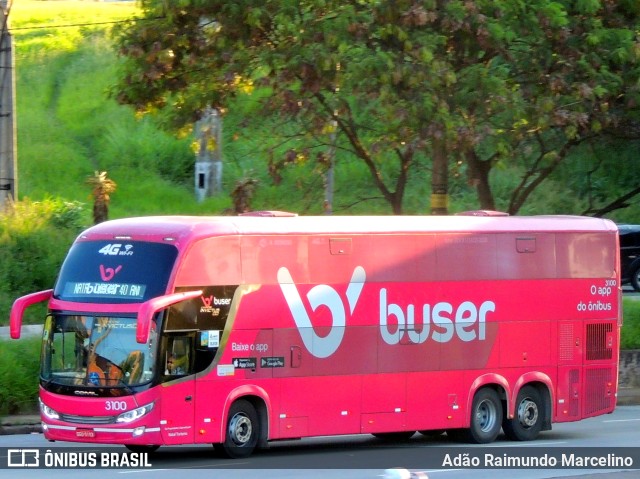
8	155
208	134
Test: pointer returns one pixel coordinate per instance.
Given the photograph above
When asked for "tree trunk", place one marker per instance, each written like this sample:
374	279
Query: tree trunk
479	178
440	179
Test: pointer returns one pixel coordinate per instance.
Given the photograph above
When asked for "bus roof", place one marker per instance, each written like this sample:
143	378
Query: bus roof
156	228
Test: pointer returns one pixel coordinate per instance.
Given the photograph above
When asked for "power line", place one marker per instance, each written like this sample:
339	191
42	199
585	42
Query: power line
88	24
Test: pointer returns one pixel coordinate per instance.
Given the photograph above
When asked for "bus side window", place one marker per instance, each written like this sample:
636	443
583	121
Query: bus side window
207	345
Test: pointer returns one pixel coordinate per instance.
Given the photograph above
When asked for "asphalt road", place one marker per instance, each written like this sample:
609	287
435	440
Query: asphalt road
364	457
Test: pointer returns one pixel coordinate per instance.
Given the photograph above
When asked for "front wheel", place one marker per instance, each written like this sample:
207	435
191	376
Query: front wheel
529	416
243	430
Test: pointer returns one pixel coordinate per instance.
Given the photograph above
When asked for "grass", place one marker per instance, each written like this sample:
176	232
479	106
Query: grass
631	324
19	367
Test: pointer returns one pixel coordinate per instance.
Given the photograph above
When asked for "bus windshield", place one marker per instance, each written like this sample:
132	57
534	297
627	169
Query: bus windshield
107	272
95	351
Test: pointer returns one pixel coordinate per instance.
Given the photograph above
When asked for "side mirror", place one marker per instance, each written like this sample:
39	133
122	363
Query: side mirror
151	307
22	303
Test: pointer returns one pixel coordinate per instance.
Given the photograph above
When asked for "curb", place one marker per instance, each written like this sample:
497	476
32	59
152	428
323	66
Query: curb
7	430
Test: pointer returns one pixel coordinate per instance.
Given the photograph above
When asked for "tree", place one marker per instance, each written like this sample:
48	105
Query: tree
102	189
576	66
404	82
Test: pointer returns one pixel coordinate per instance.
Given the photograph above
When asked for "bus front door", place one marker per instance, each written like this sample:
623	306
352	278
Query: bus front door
178	394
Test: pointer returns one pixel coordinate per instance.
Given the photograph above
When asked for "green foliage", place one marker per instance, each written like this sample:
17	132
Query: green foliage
19	368
34	238
630	335
403	82
69	125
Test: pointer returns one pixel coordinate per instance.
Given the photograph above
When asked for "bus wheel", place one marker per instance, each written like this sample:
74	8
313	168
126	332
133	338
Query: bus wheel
635	278
527	422
140	448
394	436
486	417
242	430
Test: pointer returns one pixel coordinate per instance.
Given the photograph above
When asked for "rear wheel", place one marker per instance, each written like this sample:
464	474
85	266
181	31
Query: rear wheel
527	423
486	417
243	430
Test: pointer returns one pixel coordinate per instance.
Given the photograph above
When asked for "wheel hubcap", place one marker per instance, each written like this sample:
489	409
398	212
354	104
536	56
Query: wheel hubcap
528	413
240	429
486	416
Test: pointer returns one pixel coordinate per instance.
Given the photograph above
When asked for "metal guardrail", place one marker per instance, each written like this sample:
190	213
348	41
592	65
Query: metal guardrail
28	330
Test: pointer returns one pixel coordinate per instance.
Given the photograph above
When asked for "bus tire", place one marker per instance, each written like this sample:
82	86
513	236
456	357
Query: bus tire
486	417
529	416
635	278
243	430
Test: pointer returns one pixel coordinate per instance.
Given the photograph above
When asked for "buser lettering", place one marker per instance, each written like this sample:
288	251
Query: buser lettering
466	321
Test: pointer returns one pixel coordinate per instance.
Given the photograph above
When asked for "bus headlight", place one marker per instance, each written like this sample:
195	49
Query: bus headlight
134	413
47	411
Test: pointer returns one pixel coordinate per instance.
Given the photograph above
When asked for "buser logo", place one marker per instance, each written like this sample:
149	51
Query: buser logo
321	295
213	301
441	321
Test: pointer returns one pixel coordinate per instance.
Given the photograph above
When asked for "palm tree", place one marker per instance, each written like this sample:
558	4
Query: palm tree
102	187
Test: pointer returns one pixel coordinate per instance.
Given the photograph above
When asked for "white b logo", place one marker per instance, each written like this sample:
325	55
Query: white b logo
321	295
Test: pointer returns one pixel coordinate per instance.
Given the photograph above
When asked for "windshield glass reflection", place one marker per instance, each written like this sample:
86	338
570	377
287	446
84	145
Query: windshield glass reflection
96	351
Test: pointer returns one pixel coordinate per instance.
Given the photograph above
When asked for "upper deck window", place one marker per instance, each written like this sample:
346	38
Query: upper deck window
115	271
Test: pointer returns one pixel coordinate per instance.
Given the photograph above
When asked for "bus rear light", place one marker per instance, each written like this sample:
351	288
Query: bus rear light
134	414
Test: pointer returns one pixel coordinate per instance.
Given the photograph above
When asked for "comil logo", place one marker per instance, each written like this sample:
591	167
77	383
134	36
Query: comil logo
321	295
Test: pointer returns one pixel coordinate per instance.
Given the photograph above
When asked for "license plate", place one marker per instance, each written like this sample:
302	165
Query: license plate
85	433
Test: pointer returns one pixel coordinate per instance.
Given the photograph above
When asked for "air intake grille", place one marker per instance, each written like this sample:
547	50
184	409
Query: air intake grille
566	342
598	395
598	346
88	419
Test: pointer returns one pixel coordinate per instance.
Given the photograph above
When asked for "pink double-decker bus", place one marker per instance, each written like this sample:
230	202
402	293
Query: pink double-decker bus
237	331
